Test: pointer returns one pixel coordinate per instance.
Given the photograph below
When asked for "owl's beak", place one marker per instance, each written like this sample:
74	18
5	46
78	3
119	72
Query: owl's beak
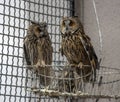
42	34
67	30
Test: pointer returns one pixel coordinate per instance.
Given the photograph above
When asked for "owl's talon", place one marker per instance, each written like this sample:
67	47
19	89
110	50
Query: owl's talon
46	88
36	67
80	65
41	65
72	65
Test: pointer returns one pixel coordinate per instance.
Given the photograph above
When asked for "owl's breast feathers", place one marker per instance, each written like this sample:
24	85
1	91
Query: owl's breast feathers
78	48
37	50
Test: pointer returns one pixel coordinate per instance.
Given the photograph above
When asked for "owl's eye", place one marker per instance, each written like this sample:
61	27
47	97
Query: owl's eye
63	23
45	25
38	29
71	23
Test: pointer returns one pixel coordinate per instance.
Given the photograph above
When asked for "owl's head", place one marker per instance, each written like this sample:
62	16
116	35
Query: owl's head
69	25
38	29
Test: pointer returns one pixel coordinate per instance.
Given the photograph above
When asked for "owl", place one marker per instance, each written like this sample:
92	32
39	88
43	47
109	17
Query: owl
38	50
77	48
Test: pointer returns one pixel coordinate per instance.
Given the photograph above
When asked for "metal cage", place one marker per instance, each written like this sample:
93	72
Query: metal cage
17	83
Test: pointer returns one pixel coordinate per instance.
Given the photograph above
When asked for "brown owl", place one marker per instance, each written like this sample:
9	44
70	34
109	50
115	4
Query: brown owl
38	50
77	48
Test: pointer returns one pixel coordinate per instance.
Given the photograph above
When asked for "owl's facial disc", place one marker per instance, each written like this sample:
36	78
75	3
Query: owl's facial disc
39	32
67	26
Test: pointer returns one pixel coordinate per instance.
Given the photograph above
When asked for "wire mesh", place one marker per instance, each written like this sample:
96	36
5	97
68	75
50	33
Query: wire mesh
18	84
15	17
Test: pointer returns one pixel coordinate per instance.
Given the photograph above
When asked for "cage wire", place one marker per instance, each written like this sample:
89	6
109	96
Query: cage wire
18	84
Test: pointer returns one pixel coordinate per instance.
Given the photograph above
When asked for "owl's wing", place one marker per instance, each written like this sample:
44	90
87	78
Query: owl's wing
86	41
61	51
51	51
26	51
30	51
47	51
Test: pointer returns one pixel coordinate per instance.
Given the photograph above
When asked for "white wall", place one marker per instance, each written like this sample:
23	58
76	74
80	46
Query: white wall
109	17
15	17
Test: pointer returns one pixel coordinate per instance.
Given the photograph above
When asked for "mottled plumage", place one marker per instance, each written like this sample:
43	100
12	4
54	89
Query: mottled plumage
77	48
38	50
